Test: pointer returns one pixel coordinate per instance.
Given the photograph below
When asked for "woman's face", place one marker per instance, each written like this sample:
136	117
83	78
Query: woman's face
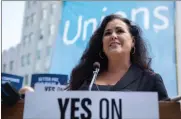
116	39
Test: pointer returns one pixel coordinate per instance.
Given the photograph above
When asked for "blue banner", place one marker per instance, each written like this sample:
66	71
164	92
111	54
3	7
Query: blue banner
80	19
16	81
55	79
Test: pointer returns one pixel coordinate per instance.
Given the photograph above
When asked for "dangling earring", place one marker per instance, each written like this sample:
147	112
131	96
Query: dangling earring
101	55
134	49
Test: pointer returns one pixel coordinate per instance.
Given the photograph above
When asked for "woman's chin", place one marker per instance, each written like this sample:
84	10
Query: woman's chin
115	52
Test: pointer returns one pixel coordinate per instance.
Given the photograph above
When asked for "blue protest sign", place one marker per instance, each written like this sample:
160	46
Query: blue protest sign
15	80
80	19
55	79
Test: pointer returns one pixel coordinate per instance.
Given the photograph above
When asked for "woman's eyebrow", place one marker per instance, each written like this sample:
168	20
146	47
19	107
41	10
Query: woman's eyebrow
119	27
107	30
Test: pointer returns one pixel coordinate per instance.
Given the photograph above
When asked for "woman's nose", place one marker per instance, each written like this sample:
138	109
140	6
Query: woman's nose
114	36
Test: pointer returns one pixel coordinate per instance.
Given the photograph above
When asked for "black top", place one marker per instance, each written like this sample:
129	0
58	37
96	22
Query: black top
135	80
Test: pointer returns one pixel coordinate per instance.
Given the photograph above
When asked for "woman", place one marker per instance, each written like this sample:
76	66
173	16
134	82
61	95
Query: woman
124	63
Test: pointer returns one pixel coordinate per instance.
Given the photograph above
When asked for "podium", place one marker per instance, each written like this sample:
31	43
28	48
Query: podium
13	112
167	110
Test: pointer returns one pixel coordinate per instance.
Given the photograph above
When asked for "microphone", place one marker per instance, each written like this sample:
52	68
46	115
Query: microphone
174	99
96	66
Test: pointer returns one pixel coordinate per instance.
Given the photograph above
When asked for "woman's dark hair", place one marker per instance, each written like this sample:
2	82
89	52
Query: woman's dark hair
83	71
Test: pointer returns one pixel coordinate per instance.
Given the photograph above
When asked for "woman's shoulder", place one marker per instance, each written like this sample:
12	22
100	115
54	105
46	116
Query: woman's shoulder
156	84
147	73
150	74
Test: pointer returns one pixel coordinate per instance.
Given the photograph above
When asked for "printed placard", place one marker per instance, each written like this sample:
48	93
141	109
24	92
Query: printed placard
91	105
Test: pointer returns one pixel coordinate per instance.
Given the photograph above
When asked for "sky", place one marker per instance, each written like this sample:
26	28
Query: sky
12	21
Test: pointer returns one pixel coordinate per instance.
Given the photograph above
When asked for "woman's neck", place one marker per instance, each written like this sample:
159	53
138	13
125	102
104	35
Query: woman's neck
116	65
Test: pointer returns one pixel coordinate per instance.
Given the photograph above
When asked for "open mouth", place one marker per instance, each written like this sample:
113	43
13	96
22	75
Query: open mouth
114	43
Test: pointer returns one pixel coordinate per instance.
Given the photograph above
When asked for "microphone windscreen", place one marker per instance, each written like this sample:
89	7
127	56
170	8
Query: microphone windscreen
96	65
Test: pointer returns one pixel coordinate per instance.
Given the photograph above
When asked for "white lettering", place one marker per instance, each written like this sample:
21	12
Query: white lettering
146	16
44	79
55	79
123	14
67	24
92	21
161	17
103	10
11	79
83	27
40	79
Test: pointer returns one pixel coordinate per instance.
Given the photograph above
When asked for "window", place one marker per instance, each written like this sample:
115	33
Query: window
28	4
44	14
41	34
28	58
38	55
22	60
52	29
26	21
25	40
41	25
4	67
31	37
30	19
48	50
34	2
33	18
31	3
11	65
52	8
26	79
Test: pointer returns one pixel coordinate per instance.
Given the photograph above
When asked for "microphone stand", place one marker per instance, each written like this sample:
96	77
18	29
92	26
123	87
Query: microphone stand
95	73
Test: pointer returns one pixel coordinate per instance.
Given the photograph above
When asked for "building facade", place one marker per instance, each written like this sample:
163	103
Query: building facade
33	53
